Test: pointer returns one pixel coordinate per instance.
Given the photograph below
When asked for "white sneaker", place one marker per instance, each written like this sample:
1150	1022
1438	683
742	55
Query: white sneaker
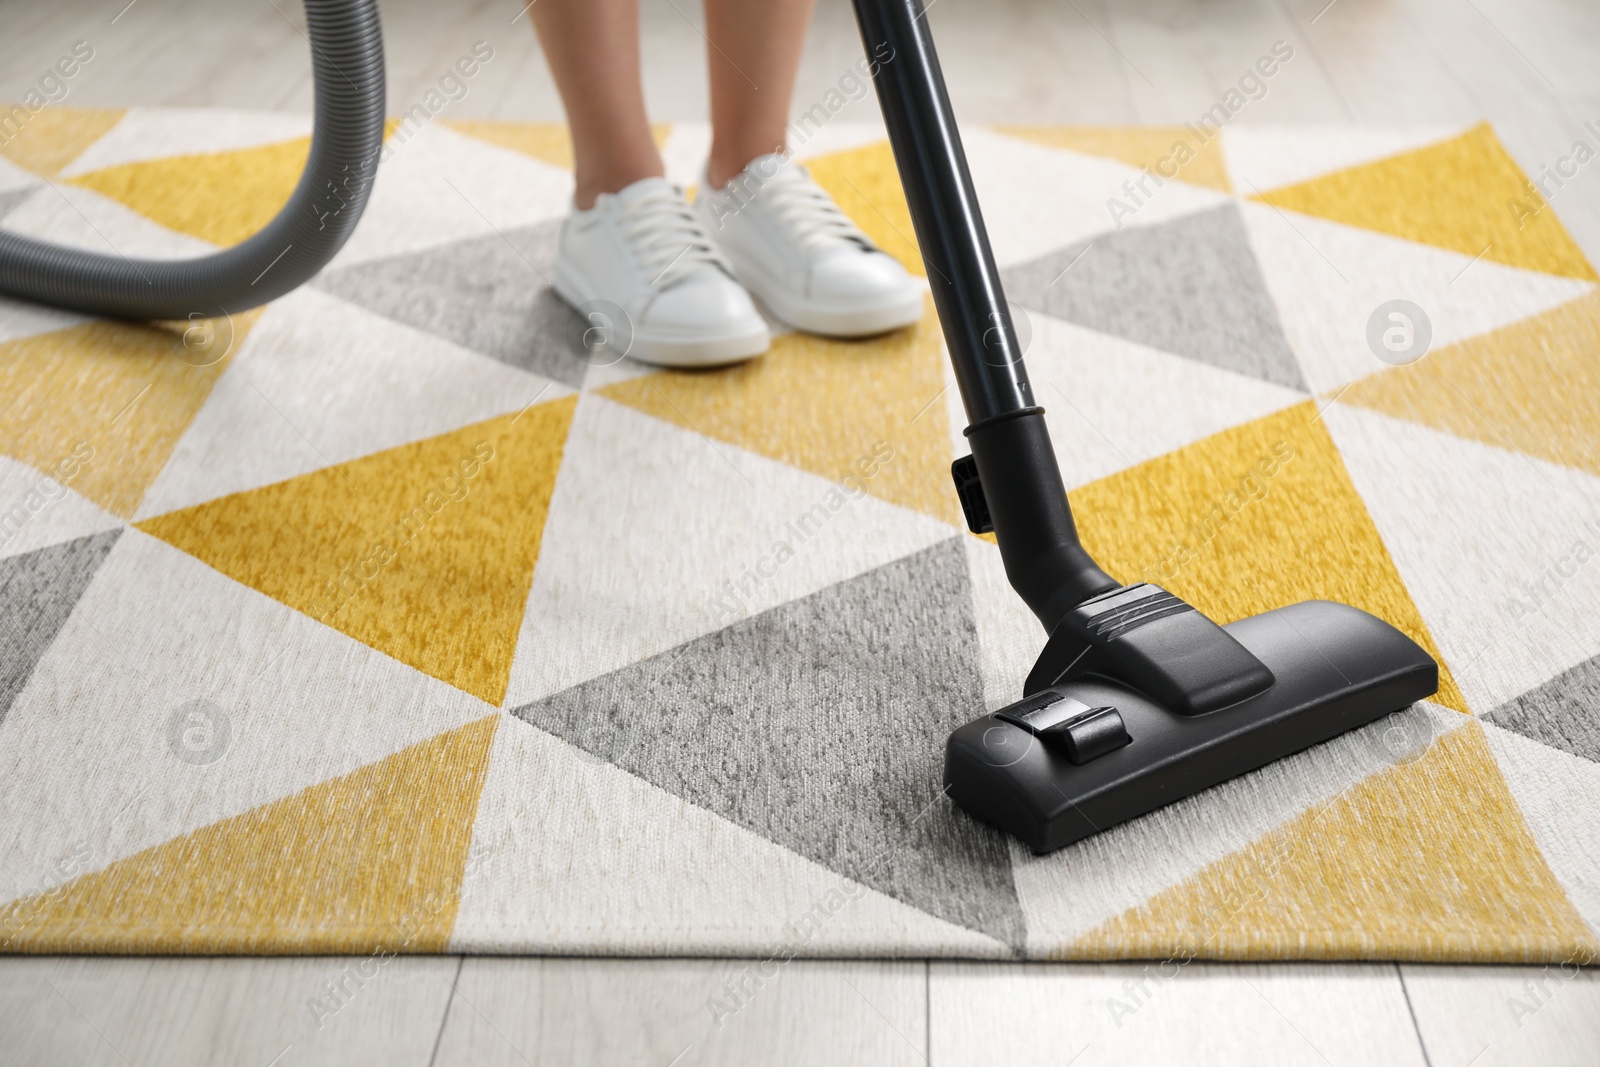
792	247
644	250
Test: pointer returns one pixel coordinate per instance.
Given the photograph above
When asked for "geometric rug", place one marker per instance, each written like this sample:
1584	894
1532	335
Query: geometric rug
376	620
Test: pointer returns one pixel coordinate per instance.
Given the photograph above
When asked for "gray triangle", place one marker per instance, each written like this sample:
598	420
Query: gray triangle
38	590
1563	713
1190	286
12	197
488	294
821	726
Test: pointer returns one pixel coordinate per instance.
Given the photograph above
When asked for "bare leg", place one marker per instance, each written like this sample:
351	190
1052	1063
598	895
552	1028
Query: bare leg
592	47
754	53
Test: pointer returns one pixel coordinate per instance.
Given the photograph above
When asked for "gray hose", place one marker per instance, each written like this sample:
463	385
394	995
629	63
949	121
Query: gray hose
347	59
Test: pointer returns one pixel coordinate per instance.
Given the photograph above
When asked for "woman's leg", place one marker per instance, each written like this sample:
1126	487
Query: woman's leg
592	47
754	53
786	238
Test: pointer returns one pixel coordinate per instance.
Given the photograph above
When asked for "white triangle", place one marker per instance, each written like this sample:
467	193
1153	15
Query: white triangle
1112	404
319	381
158	132
1066	894
71	215
1487	543
1266	157
656	535
88	756
1038	199
573	855
39	509
1559	795
441	186
1328	279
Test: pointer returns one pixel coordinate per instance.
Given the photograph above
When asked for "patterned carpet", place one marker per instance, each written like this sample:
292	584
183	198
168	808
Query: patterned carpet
377	620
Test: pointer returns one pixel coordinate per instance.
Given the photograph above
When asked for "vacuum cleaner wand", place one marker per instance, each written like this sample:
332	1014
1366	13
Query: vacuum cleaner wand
1013	468
1137	699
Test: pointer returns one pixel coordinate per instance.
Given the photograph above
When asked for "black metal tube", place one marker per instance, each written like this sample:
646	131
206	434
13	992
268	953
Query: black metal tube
1016	465
944	209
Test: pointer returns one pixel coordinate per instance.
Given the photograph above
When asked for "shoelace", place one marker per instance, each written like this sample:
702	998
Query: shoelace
669	240
806	213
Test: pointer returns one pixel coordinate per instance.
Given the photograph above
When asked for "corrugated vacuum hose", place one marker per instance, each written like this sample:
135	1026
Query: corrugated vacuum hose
347	59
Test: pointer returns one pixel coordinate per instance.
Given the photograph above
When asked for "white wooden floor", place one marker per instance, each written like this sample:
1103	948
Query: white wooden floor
1529	66
482	1012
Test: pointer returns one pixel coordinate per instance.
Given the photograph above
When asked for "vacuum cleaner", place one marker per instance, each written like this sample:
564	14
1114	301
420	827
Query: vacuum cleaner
1137	698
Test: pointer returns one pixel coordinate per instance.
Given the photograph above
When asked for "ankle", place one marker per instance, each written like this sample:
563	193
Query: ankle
590	184
725	165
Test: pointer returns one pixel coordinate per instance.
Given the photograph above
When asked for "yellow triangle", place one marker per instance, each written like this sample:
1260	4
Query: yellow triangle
824	406
1207	524
1429	860
1530	386
1157	148
548	142
52	137
424	552
371	860
115	395
1462	194
866	186
221	197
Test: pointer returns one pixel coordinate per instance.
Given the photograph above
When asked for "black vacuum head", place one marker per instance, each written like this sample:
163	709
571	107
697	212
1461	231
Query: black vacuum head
1140	700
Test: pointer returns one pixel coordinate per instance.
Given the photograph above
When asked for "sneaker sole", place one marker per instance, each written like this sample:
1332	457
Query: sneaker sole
843	322
671	349
830	321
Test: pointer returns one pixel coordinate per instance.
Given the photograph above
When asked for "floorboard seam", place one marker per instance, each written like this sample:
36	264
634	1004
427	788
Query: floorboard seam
1421	1042
927	1012
444	1019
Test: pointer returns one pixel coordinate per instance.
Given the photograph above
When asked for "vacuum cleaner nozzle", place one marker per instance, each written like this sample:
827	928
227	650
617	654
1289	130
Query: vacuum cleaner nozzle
1139	700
